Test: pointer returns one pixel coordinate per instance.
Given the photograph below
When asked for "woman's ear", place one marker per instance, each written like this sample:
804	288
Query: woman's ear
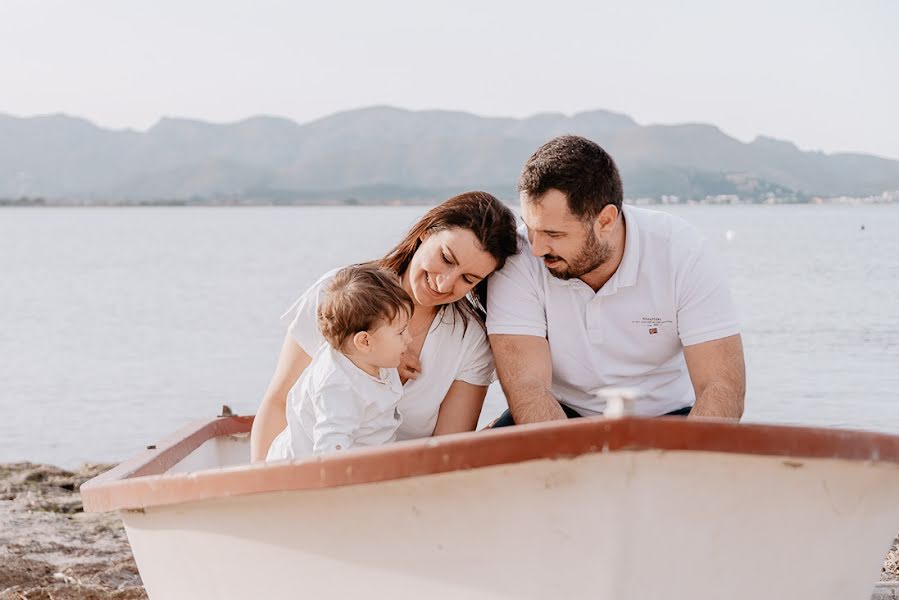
362	342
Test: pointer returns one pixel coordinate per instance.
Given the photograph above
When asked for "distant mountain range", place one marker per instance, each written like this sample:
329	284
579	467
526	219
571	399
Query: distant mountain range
388	154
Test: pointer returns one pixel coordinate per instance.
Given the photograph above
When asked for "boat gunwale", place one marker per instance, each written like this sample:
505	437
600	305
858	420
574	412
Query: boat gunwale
142	482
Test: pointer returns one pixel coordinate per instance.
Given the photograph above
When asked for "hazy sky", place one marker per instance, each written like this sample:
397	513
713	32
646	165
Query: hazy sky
822	74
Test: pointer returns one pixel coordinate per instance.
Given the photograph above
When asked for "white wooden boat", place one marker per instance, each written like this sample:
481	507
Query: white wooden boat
621	509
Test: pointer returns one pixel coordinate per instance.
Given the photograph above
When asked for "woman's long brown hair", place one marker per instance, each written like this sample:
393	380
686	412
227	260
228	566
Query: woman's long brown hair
491	222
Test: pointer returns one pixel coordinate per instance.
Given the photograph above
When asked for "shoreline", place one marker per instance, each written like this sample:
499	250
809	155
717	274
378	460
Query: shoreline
51	549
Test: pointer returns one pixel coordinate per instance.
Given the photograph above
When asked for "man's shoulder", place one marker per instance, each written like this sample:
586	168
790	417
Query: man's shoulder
522	273
523	260
658	222
663	229
516	294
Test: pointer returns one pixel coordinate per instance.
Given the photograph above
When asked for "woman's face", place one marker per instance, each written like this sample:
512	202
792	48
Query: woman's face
447	265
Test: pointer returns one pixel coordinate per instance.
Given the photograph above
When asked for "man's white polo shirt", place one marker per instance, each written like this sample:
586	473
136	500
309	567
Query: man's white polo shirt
668	292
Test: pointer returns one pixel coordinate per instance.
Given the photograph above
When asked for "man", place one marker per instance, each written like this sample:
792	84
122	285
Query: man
604	295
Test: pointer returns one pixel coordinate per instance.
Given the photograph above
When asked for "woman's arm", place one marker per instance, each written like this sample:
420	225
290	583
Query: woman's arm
271	418
461	408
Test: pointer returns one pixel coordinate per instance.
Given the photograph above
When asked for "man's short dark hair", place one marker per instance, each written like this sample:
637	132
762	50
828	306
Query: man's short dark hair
577	167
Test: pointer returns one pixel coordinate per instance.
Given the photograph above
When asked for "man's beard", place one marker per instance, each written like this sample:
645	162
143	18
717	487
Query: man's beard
593	254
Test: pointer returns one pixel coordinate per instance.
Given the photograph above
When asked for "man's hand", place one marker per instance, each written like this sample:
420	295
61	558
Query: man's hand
718	373
525	372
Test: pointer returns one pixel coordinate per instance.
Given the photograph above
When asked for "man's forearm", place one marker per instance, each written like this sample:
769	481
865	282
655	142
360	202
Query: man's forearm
531	402
524	367
721	400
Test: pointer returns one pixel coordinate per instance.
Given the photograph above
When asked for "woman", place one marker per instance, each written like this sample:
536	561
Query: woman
443	263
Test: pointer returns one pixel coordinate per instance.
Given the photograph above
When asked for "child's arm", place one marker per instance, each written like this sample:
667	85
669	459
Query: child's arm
339	413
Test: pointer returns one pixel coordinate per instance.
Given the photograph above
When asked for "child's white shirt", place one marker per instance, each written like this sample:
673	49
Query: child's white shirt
451	352
335	405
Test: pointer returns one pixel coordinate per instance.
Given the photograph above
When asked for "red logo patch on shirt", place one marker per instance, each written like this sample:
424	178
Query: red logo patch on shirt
653	330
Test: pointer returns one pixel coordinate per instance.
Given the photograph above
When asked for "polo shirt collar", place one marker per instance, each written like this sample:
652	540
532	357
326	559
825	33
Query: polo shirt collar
626	275
355	373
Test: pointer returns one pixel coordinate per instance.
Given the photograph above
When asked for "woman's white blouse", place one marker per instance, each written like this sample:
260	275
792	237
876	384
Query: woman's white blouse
335	405
451	352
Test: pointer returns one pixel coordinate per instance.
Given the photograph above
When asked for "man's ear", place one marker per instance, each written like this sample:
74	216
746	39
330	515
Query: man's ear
362	341
606	218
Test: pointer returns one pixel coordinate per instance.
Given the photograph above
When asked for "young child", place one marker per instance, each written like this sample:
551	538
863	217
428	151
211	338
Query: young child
347	396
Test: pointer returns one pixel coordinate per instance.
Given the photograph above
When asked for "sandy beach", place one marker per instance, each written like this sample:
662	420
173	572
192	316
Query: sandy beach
51	550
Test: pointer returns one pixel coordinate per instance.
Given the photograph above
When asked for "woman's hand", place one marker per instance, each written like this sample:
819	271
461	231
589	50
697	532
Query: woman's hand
410	367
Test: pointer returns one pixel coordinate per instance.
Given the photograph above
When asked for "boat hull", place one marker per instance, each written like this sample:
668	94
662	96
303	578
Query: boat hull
628	524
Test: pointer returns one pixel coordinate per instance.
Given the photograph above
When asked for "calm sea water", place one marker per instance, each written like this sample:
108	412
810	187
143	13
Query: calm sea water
120	325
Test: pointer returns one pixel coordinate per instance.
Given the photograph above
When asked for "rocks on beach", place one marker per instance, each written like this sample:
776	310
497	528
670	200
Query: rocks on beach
50	549
891	564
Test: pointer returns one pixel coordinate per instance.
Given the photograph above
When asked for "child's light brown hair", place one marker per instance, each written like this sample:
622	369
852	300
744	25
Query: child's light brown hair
357	298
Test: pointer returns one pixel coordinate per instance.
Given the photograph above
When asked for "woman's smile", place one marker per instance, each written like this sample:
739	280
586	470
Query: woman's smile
432	286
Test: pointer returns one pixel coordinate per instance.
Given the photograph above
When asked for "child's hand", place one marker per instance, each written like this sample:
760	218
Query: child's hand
410	367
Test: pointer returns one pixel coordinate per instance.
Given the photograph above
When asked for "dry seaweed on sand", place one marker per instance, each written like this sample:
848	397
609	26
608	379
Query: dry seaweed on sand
891	564
50	548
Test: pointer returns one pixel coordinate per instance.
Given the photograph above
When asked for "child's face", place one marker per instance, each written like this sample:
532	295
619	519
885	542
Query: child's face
389	341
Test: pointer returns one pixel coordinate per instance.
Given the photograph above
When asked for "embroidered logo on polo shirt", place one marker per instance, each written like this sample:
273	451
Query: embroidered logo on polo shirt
652	324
